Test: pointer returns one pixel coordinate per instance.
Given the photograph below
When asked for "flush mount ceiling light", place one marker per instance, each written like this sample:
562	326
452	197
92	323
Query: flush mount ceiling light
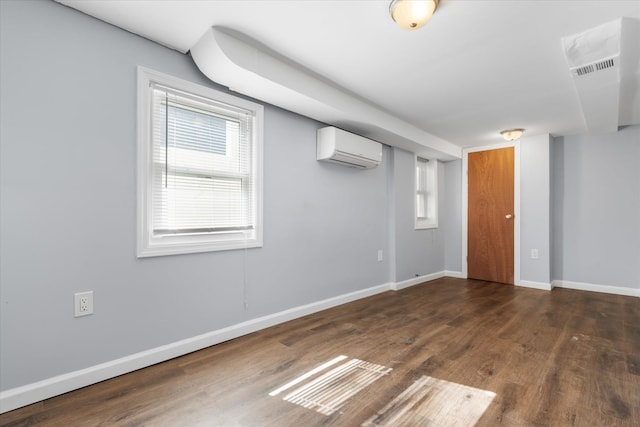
412	14
511	134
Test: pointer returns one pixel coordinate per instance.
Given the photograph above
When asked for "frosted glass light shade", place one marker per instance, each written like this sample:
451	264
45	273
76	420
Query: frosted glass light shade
512	134
412	14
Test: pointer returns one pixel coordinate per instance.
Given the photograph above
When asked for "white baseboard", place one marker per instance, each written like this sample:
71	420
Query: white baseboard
396	286
35	392
456	274
616	290
535	285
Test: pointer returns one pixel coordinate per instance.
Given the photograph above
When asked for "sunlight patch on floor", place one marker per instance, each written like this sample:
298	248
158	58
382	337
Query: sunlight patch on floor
433	402
328	393
309	374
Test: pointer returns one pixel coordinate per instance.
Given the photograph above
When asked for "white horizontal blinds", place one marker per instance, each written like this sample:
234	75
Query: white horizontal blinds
202	157
421	188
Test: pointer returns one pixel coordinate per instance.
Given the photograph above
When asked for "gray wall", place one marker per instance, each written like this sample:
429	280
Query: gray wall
417	252
596	216
67	208
535	208
451	218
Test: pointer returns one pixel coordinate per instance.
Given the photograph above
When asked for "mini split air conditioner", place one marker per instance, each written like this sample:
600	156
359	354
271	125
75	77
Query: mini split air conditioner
338	146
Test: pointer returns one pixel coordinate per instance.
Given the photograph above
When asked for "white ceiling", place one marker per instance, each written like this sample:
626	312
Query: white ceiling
476	68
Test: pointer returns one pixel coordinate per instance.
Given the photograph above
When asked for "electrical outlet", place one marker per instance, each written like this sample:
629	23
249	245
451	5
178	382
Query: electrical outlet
534	254
380	255
83	304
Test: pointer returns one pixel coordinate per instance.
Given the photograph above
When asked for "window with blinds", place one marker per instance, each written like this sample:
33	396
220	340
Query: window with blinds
426	186
203	152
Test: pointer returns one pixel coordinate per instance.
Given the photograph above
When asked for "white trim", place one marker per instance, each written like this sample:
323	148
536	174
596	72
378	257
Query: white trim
535	285
431	199
456	274
615	290
35	392
516	203
396	286
147	244
31	393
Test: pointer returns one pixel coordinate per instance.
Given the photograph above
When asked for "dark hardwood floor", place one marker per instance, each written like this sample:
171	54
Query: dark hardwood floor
560	358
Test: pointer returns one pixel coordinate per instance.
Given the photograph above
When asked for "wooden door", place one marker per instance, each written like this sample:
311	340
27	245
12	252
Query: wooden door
491	215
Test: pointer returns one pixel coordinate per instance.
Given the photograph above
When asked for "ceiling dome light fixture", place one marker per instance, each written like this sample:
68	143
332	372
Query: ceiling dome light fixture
412	14
511	134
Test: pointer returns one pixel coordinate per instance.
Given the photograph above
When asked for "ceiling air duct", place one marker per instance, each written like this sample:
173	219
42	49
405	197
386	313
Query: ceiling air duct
246	66
594	61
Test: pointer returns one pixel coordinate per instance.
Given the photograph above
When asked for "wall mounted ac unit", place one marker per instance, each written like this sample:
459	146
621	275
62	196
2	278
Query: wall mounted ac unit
344	148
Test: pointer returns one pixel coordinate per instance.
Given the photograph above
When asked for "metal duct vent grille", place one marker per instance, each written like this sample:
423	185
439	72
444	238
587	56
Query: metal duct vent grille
592	68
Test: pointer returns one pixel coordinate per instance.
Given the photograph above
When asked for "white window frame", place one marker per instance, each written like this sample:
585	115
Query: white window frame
429	192
149	245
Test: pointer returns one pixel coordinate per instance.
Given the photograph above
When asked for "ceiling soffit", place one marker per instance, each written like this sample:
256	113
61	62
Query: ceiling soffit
245	66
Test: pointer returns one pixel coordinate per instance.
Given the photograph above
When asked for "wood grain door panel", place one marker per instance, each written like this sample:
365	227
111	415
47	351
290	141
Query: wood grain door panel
491	215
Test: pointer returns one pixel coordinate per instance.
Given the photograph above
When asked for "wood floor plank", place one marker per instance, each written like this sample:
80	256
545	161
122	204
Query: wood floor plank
560	358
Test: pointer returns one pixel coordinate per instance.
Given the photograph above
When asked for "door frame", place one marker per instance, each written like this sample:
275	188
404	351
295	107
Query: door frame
516	204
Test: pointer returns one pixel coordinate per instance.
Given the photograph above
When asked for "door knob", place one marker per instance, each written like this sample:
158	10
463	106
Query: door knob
508	216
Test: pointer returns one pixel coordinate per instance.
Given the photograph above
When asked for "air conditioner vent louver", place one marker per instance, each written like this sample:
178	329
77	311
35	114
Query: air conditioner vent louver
605	64
592	68
581	71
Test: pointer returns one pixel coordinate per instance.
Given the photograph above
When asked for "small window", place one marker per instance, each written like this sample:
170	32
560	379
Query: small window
426	193
199	161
